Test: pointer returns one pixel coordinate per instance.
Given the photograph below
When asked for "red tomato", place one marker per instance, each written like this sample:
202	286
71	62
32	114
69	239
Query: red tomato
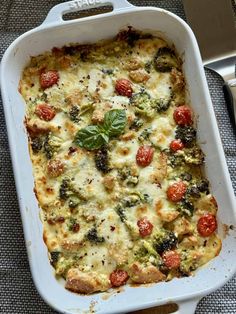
183	115
45	112
176	145
206	225
144	155
118	277
145	227
48	78
123	87
171	259
176	191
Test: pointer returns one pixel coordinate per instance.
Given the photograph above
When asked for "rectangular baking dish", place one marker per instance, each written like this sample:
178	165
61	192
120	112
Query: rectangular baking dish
57	32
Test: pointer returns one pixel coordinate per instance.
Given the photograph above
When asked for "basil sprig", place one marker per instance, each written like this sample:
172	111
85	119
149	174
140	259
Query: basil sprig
95	136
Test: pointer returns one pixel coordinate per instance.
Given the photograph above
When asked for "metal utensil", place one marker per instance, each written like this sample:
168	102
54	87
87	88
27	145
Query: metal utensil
214	26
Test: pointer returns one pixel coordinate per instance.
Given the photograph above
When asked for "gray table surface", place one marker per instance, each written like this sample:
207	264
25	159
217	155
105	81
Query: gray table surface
17	291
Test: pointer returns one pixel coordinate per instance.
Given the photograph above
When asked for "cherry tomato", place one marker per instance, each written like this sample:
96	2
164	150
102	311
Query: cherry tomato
171	259
183	115
123	87
48	78
206	225
144	155
145	227
45	112
118	277
176	145
176	191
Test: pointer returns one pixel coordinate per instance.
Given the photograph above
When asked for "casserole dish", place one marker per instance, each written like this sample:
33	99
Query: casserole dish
44	38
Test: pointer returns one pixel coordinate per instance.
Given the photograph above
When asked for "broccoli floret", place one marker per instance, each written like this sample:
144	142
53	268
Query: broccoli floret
126	176
161	104
51	145
194	191
135	198
164	240
66	189
73	202
74	114
193	155
102	160
145	253
186	207
203	186
136	124
165	59
175	160
186	134
131	200
121	212
188	263
54	257
143	104
37	144
93	237
144	136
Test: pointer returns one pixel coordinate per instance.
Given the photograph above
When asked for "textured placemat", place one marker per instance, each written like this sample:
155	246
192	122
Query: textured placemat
17	291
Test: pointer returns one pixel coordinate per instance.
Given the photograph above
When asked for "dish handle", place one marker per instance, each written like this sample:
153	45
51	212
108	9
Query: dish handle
56	13
187	307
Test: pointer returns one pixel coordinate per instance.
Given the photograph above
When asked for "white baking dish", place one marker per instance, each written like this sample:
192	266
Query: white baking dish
56	32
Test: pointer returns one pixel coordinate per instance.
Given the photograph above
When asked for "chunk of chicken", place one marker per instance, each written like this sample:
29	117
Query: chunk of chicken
160	166
141	274
177	79
86	283
166	214
109	182
55	168
206	204
139	76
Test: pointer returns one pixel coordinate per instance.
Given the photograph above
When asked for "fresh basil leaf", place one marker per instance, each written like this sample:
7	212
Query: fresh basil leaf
90	137
114	122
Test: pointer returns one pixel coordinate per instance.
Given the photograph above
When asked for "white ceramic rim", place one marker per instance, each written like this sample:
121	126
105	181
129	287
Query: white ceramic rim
187	303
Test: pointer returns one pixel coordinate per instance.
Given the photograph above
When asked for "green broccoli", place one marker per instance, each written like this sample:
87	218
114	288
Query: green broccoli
144	136
54	257
102	160
37	144
188	263
193	155
143	104
164	240
145	253
121	212
93	237
136	124
51	145
187	134
66	189
161	104
74	114
69	192
185	207
125	175
165	59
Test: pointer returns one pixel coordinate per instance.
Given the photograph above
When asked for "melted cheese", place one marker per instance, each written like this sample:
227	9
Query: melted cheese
96	200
